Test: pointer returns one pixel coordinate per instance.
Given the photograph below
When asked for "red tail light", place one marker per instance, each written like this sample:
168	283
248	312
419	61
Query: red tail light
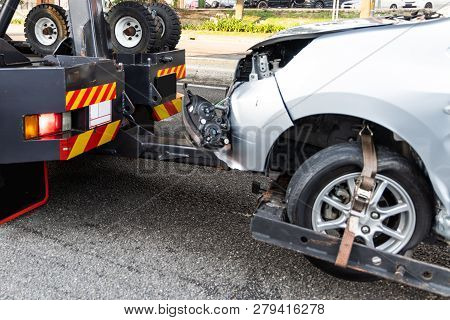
40	125
50	123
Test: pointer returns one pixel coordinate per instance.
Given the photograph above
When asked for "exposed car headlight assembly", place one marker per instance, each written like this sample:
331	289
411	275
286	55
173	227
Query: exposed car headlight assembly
207	124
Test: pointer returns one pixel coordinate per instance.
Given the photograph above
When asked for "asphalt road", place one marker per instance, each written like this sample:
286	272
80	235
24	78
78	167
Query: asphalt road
117	228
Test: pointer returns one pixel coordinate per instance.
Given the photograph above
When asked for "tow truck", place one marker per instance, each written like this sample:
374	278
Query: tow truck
93	95
79	97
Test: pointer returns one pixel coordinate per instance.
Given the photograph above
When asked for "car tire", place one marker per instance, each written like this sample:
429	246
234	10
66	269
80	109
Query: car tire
393	7
170	26
46	27
262	5
314	176
428	5
214	4
142	32
319	5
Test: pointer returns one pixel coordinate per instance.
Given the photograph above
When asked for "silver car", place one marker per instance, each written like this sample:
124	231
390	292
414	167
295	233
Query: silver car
301	97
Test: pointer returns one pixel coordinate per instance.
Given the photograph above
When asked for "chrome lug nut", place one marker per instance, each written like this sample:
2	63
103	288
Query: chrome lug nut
375	215
365	229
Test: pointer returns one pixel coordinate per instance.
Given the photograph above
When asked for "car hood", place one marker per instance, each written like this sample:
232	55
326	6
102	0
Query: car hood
311	31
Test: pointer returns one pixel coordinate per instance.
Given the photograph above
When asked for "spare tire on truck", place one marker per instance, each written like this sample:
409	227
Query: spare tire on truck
46	27
133	28
170	23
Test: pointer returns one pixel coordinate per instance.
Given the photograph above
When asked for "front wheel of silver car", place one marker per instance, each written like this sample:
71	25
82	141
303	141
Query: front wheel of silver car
398	217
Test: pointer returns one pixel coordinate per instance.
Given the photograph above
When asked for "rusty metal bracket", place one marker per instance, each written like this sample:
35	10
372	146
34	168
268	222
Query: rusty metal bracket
268	225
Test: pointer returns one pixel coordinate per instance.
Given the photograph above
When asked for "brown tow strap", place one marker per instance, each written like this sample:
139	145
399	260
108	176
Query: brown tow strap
361	196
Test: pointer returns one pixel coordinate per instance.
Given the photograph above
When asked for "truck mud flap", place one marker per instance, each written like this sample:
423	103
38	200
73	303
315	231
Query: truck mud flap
268	225
23	187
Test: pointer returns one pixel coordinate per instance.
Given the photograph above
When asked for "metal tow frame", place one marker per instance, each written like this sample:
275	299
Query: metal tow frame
268	225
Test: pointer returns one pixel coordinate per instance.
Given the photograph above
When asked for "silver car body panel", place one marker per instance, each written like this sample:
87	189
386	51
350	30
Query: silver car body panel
393	75
258	118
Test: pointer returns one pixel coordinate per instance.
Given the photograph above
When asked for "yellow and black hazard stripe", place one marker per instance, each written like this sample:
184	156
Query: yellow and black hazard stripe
180	71
85	97
168	109
76	145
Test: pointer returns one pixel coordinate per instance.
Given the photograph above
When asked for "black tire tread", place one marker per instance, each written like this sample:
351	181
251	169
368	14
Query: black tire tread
60	9
173	25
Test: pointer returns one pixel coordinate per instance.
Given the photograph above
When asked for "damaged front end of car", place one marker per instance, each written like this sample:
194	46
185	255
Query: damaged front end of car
242	128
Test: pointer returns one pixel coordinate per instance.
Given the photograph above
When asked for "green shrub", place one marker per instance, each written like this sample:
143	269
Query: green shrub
235	25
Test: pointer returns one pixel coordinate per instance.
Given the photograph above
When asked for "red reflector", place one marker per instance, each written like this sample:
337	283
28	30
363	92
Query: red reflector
50	123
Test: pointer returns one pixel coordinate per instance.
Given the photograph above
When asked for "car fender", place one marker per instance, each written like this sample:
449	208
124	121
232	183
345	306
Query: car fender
258	117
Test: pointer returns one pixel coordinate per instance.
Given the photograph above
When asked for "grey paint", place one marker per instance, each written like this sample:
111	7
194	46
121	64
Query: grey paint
258	118
22	92
88	28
